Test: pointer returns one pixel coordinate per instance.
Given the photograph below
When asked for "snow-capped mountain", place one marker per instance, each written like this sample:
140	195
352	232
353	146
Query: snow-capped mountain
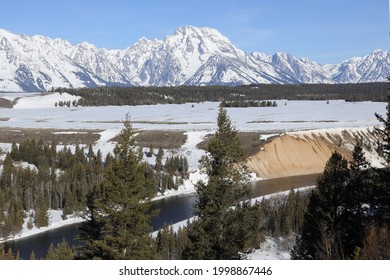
191	56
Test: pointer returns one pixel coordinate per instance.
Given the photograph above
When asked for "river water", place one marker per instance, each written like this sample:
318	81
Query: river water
171	210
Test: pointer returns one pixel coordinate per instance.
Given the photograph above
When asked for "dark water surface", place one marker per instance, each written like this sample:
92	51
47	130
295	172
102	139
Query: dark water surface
171	210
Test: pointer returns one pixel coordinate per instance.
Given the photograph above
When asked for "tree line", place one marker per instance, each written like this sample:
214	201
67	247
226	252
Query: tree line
104	96
250	103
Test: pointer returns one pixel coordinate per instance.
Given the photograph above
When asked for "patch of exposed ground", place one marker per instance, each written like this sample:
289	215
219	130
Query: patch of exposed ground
288	156
307	152
294	121
68	137
149	122
250	142
160	138
5	103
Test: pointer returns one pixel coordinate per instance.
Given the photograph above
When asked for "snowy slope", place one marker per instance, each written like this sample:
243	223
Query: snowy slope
38	63
44	100
192	56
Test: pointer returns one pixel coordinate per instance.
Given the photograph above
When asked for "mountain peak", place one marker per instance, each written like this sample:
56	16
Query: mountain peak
86	45
4	32
205	32
193	29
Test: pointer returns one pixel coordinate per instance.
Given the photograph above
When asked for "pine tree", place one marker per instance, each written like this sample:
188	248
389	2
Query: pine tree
122	210
1	215
61	252
384	185
159	158
41	214
385	131
150	152
377	244
166	243
32	256
210	234
322	236
359	189
7	255
6	174
64	252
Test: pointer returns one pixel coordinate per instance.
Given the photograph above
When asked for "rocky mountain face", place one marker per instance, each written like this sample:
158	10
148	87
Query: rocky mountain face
191	56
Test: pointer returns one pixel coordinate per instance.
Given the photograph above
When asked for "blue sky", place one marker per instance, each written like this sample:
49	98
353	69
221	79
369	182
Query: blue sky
327	31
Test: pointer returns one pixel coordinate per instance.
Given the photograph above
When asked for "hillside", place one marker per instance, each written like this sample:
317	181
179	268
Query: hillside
306	152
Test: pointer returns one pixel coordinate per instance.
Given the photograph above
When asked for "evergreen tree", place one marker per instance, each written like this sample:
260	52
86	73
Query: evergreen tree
383	189
6	175
359	192
7	254
15	152
359	189
41	214
210	235
159	158
1	215
150	152
32	256
376	244
122	210
322	236
61	252
166	243
385	131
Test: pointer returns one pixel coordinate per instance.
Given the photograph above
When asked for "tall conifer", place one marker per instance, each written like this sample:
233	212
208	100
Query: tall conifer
384	189
210	236
321	236
122	209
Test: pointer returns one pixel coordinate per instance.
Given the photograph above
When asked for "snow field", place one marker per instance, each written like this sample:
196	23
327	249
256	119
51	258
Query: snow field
44	101
32	111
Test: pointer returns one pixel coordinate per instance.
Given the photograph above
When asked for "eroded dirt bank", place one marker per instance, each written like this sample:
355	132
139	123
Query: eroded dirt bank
307	152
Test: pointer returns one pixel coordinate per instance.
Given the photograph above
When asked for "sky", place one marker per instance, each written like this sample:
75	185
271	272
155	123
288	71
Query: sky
326	31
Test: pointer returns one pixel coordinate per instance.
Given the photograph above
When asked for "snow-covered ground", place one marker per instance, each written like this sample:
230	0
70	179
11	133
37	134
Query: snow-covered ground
270	249
104	144
11	96
44	101
35	110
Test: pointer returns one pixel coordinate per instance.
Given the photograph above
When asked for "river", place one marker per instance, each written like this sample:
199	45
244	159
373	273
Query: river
172	210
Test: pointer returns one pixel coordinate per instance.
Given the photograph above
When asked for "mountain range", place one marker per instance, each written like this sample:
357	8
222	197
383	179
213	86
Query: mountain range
191	56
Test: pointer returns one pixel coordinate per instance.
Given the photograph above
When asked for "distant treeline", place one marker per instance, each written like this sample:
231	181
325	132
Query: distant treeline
250	103
103	96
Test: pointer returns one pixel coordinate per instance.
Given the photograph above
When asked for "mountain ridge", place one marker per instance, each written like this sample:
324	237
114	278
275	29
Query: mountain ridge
190	56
